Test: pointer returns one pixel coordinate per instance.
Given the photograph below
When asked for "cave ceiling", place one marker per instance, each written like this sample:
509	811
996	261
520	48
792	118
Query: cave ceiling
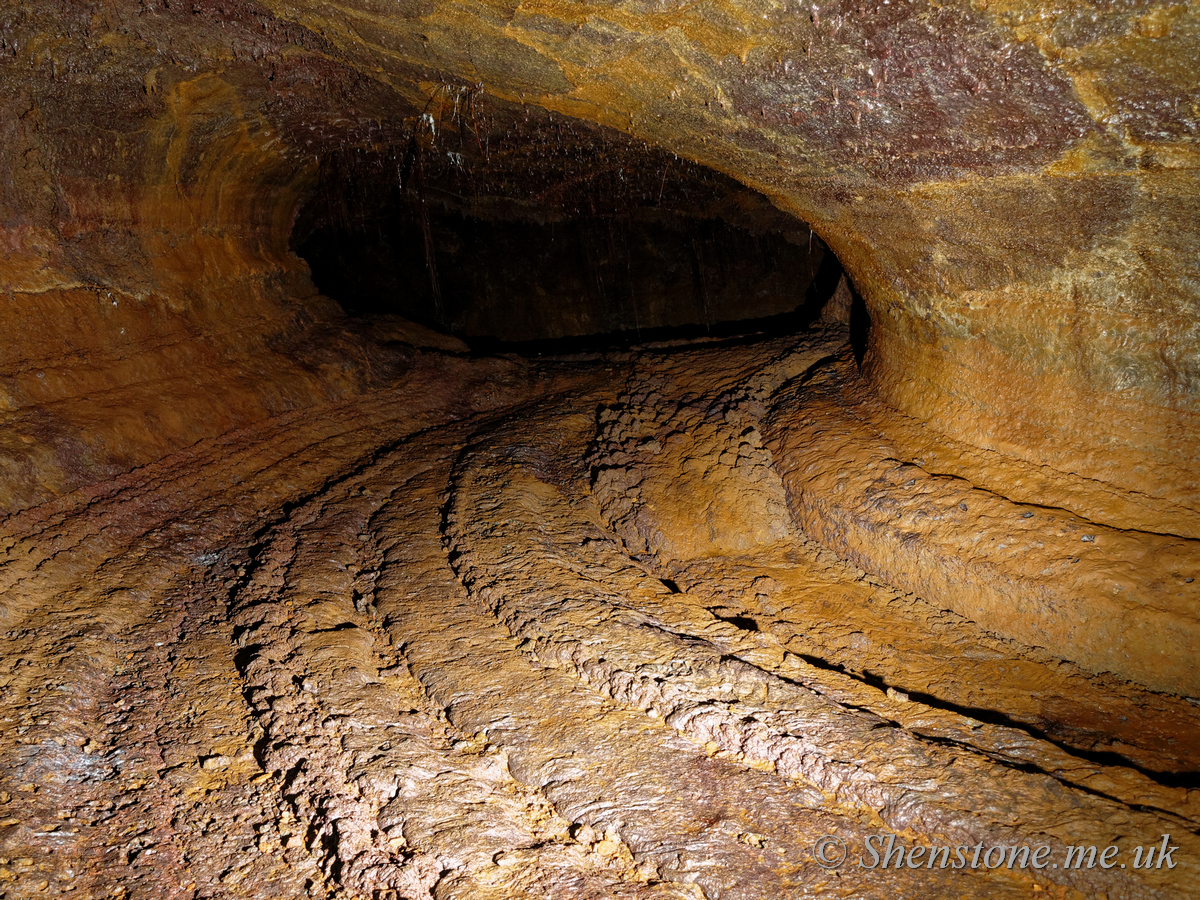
335	562
1010	186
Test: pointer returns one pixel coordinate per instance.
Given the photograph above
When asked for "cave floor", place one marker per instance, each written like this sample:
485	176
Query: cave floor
535	628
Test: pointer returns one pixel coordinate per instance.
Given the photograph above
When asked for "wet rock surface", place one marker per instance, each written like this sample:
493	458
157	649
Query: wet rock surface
875	506
587	627
299	604
1011	186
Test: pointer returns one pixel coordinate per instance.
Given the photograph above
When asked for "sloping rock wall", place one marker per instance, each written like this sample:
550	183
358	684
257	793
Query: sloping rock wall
1011	187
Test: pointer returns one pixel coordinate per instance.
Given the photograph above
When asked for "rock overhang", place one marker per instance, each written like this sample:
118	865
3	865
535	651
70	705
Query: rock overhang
1011	186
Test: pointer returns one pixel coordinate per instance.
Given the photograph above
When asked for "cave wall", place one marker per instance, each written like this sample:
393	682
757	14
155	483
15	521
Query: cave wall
293	606
146	200
1011	186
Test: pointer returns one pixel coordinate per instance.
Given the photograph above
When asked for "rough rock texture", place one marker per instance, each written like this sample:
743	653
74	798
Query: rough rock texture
411	645
296	604
1011	186
1124	600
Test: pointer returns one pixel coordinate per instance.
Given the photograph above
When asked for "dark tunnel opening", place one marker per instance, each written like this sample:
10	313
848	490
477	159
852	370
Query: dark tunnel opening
559	234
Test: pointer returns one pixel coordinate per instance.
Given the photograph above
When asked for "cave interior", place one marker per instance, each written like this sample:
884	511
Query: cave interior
658	450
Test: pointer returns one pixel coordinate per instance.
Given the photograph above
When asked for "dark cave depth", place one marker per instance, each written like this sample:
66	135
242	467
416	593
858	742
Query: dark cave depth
591	237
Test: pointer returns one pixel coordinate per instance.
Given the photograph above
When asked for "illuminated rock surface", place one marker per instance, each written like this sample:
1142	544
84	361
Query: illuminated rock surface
298	603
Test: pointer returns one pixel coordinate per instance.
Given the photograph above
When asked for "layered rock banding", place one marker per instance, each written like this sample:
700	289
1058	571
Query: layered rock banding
872	507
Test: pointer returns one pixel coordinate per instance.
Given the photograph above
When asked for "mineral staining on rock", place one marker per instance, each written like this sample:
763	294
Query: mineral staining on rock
399	644
304	605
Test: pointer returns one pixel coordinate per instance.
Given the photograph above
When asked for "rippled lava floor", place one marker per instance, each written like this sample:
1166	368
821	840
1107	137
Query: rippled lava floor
550	629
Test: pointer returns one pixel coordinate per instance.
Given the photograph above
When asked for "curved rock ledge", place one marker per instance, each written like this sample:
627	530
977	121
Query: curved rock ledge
301	600
1109	599
408	646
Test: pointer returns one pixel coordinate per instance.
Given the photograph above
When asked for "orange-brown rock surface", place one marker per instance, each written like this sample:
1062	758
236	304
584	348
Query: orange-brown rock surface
1011	186
302	604
414	642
